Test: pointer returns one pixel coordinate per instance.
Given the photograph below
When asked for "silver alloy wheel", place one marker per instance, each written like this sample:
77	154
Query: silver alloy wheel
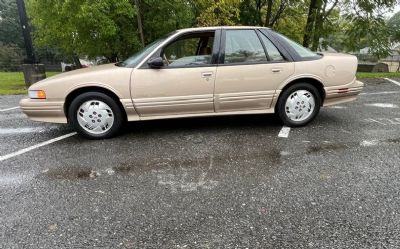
300	105
95	117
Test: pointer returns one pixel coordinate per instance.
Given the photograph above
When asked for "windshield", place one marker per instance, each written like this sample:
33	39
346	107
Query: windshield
302	51
138	56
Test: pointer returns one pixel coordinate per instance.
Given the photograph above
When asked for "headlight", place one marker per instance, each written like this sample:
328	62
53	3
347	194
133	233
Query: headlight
37	94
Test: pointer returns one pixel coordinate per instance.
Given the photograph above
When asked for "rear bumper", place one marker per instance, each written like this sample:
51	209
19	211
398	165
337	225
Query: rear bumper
342	94
44	110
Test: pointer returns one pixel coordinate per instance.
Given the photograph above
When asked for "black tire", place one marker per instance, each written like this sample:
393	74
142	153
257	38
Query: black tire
280	107
119	116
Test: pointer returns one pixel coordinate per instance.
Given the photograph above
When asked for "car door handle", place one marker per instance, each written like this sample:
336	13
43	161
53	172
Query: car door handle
276	70
206	74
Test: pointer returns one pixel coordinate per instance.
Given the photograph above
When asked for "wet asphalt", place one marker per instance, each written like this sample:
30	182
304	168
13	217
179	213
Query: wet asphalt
222	182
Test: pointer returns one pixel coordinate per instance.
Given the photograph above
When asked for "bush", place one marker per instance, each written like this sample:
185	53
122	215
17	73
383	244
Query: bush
10	58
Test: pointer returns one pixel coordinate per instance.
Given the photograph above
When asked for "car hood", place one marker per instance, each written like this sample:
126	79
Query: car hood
81	72
108	76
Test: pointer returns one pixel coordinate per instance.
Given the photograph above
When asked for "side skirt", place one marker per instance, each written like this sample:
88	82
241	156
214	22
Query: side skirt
210	114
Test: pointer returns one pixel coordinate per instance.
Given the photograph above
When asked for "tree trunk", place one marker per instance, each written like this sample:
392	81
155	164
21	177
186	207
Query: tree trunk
77	62
274	19
269	13
139	20
317	30
308	33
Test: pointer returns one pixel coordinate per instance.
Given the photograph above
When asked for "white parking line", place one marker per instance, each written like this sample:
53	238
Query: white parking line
17	153
393	81
381	93
284	132
9	109
382	105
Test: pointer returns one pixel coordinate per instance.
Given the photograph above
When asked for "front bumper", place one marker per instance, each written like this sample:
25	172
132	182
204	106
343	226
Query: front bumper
342	94
44	110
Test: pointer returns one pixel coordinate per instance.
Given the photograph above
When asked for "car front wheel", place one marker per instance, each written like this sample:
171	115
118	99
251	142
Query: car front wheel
95	115
299	104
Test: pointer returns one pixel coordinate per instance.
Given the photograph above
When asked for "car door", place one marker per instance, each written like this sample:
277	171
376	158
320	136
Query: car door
185	84
251	69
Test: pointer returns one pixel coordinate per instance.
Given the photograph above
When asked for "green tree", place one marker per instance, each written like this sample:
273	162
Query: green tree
218	12
10	57
319	21
111	28
92	28
263	12
10	31
366	25
292	21
393	25
162	17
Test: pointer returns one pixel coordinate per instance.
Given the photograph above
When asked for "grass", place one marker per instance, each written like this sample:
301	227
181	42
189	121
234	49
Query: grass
14	83
378	75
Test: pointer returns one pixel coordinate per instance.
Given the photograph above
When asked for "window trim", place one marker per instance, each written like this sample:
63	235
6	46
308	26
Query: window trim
221	58
266	50
287	47
263	45
214	55
282	49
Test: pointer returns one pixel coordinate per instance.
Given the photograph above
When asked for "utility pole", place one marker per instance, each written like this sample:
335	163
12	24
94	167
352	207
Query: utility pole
26	32
33	72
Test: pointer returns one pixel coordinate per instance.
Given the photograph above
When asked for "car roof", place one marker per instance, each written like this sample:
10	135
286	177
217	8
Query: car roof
221	27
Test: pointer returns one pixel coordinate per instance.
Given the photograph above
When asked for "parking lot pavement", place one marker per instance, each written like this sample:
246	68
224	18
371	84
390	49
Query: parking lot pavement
225	182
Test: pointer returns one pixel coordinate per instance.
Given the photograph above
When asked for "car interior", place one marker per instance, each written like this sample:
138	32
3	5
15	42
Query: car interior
192	49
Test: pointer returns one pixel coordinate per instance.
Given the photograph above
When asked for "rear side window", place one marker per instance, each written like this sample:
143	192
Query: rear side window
243	46
272	51
301	51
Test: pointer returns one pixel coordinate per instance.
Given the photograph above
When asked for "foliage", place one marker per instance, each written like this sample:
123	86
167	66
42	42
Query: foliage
265	12
10	57
293	21
105	28
218	12
115	28
368	32
366	25
162	17
94	28
394	27
10	31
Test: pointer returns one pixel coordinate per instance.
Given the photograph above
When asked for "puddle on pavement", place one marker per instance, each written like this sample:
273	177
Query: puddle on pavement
271	158
393	140
69	174
326	147
337	146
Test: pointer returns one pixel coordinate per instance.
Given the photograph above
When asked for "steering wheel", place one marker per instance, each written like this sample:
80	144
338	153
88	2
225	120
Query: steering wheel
166	60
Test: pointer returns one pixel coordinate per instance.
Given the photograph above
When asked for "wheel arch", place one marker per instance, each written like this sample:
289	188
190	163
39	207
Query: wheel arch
314	82
78	91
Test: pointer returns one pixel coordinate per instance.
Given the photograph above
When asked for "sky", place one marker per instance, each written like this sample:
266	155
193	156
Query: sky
394	11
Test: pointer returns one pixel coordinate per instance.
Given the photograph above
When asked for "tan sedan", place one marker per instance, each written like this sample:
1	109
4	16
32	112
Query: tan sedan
198	72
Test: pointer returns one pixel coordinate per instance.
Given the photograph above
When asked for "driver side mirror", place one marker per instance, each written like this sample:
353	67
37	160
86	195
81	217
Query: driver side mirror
156	62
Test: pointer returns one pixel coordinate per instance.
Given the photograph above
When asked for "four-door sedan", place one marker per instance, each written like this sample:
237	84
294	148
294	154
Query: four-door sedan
198	72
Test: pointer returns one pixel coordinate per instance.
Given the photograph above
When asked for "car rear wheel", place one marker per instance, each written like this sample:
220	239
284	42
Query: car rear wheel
299	104
95	115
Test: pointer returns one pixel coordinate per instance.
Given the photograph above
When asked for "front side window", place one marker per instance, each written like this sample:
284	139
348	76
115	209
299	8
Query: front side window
243	46
137	57
189	50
